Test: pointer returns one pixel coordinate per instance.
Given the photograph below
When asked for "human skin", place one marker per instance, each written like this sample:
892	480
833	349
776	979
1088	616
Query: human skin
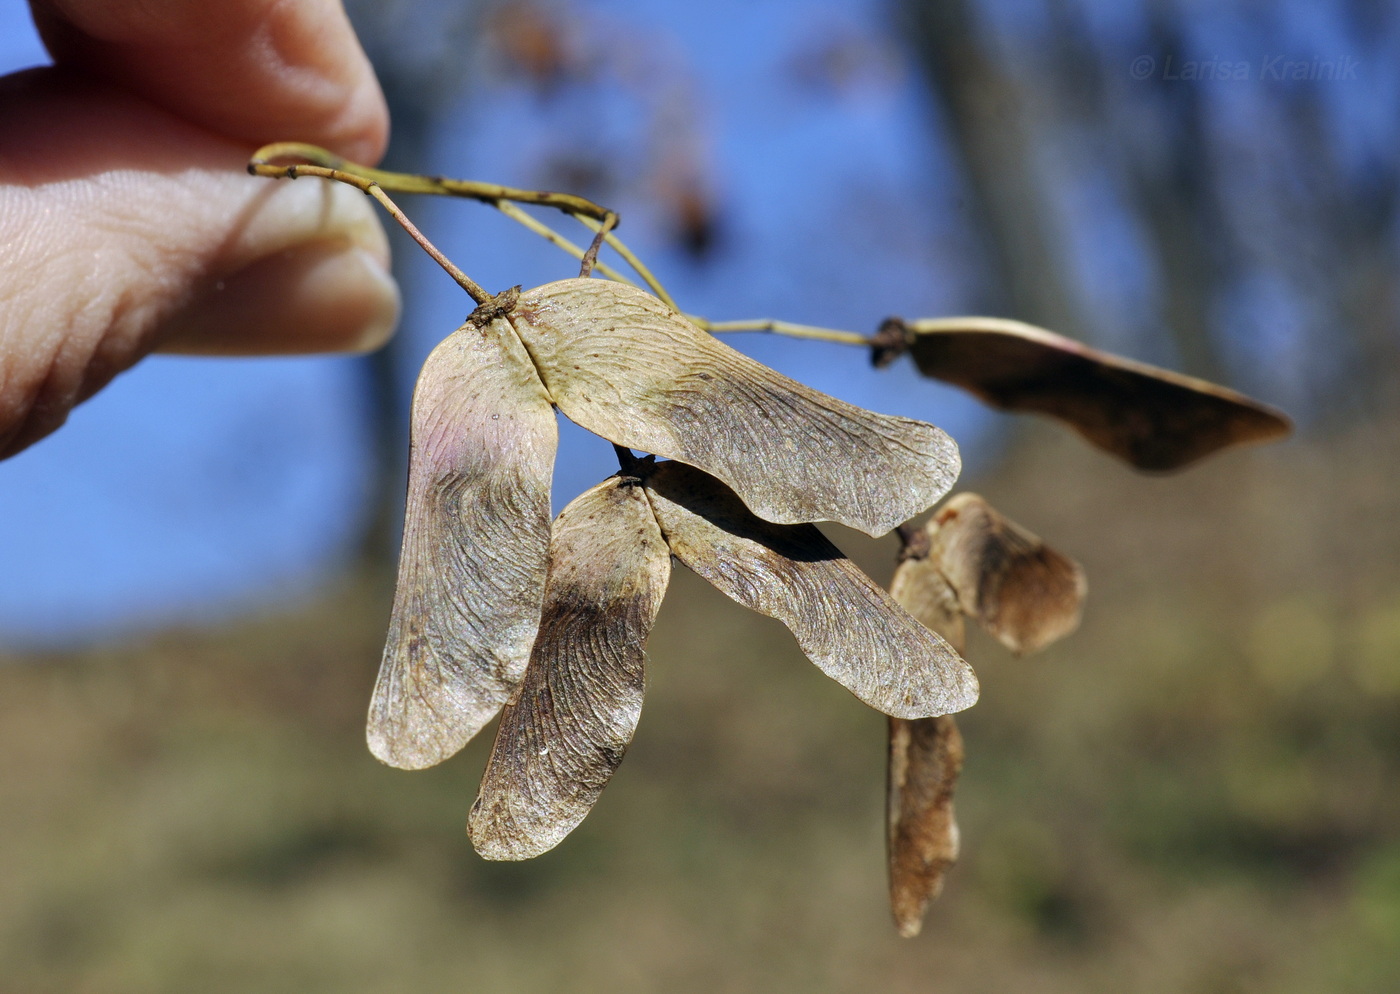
128	222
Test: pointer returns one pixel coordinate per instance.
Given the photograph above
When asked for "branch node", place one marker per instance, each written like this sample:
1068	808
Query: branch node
889	343
590	258
914	542
494	307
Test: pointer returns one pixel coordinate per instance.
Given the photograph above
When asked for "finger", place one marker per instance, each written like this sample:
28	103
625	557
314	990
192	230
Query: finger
129	227
255	70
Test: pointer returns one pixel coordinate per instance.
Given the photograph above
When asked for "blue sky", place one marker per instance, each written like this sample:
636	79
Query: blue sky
192	488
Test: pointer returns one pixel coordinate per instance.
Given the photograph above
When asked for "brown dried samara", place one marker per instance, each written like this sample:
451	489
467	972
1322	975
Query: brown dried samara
1152	418
967	561
565	733
625	366
621	363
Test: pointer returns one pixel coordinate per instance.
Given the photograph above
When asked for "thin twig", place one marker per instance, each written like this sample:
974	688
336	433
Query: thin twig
554	238
371	187
590	258
626	458
914	542
631	259
320	162
474	289
264	157
782	328
600	220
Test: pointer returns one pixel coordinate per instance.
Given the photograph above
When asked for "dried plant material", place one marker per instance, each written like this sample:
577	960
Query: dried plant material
1152	418
565	732
926	756
1024	593
970	561
490	613
847	625
475	545
922	590
622	364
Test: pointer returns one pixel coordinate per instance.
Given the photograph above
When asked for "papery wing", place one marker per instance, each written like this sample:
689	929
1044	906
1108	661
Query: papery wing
926	756
922	590
622	364
1019	589
1152	418
566	731
475	544
844	623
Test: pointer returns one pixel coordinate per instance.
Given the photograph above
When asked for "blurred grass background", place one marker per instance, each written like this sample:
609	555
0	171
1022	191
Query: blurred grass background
1195	792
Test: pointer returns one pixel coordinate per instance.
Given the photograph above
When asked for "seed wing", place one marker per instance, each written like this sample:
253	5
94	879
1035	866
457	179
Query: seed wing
566	731
844	623
925	758
922	590
475	544
622	364
1153	418
1024	593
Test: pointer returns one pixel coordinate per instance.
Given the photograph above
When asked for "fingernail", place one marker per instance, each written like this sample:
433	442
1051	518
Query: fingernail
316	297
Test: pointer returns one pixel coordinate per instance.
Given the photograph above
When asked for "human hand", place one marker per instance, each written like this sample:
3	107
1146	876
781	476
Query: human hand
128	221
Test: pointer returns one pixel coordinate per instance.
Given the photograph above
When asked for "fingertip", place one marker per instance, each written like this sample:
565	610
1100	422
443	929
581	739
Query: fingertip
125	220
308	298
253	70
363	134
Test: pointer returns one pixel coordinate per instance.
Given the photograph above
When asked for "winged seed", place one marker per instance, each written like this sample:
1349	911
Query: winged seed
622	364
475	543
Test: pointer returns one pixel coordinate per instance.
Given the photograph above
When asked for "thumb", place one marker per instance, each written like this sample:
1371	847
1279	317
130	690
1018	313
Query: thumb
128	229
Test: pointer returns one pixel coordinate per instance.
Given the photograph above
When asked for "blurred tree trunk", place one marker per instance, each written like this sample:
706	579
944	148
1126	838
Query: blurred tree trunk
419	49
997	127
994	134
1345	253
1177	198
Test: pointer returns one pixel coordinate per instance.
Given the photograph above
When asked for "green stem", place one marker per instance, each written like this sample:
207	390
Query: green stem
319	162
372	188
782	328
631	259
262	165
554	238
